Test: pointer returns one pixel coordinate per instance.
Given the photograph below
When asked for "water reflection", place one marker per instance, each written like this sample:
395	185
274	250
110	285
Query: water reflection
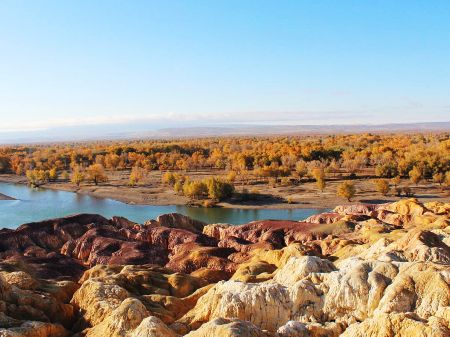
38	204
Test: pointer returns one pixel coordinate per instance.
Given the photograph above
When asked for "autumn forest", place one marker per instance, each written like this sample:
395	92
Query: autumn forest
387	161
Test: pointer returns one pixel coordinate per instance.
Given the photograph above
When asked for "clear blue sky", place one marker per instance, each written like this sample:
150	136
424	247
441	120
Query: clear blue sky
87	62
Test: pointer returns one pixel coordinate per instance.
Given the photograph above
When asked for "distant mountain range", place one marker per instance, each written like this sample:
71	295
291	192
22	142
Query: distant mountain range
258	130
110	132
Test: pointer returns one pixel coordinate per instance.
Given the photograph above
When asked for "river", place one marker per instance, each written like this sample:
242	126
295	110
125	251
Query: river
38	204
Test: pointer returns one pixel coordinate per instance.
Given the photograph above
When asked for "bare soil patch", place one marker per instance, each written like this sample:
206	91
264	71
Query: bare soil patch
262	195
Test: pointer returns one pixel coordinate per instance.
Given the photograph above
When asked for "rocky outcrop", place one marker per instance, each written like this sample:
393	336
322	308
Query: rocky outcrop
396	286
176	220
37	245
34	307
32	329
228	328
309	290
277	233
110	246
106	291
132	319
399	325
362	270
325	218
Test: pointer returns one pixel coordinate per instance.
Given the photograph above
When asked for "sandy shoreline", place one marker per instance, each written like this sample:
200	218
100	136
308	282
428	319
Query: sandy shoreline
303	196
5	197
138	197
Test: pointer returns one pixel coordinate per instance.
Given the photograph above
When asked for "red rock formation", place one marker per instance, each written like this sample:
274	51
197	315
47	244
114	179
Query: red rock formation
347	272
278	233
67	246
176	220
38	245
324	218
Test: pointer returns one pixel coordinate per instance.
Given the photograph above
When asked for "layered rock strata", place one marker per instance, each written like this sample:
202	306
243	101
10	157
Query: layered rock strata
361	270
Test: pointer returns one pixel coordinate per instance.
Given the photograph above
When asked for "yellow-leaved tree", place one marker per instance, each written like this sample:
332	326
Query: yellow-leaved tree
96	174
346	190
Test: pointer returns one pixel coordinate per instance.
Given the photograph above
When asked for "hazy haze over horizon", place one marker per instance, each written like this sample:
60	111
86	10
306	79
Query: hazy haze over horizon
146	65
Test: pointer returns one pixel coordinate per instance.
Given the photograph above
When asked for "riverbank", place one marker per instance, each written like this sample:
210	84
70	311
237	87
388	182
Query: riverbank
5	197
242	266
262	196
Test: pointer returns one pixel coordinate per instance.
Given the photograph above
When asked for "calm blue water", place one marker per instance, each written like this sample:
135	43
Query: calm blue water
39	204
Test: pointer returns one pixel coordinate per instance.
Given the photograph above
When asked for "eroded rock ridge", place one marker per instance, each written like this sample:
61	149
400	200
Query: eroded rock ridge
361	270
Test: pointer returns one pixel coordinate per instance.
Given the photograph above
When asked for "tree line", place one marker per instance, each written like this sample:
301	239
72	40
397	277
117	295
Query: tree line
275	160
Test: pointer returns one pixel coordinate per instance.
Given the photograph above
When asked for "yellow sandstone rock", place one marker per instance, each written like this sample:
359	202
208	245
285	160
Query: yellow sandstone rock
363	270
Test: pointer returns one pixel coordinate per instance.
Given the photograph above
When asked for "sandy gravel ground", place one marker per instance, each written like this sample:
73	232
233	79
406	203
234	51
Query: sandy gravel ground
305	195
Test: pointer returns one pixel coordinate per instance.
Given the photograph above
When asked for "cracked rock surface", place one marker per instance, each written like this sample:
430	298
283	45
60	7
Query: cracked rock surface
361	270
